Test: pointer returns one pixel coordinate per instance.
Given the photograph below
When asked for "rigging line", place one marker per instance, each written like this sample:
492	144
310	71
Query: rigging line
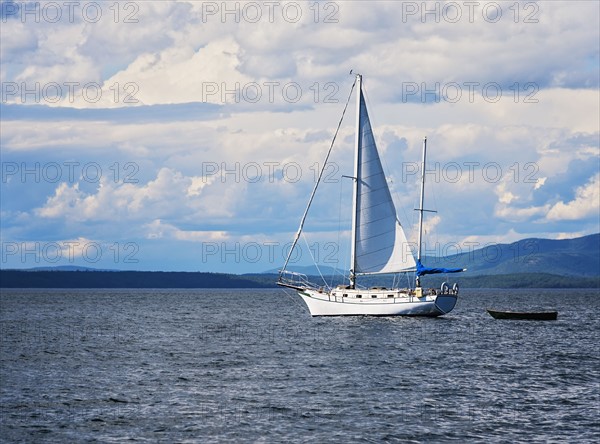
433	192
339	234
302	307
313	259
317	183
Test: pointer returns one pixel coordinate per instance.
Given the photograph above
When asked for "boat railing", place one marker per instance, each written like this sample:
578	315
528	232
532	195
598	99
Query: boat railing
295	280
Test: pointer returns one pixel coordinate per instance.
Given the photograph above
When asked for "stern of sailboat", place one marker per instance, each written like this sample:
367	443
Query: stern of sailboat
446	302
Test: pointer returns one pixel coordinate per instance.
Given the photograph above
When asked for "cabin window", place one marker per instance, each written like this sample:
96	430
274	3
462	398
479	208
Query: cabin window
373	295
390	295
359	296
345	295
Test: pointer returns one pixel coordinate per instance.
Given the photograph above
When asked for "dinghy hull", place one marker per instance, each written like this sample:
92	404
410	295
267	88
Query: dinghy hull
533	316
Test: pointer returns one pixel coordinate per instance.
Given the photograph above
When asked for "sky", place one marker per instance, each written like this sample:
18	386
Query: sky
188	135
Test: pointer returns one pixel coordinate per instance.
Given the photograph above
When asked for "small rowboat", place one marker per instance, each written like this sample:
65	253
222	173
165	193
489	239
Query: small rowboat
532	315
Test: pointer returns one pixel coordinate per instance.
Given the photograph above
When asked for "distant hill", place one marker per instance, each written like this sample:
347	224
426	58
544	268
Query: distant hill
516	280
309	270
125	279
566	257
528	263
66	268
157	279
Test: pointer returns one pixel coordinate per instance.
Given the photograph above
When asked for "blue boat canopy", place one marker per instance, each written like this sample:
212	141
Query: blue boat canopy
422	270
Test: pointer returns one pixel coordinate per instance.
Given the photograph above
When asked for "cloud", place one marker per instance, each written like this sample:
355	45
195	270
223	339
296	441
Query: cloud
128	201
174	50
585	205
539	183
157	229
137	114
181	74
212	165
515	214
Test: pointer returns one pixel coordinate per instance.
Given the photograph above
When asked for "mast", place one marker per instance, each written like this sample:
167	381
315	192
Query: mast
355	191
421	206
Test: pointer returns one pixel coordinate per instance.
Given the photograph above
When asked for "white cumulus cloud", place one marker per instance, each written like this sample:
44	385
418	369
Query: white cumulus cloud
586	203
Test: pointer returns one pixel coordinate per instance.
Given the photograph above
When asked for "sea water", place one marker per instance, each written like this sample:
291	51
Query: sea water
252	365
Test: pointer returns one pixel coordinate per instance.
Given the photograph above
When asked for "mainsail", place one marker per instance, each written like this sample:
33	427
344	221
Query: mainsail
381	245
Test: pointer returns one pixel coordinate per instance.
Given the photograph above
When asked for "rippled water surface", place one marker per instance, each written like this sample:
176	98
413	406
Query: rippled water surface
252	365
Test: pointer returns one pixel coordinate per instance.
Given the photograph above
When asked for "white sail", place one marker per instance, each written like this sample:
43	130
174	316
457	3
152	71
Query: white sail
381	245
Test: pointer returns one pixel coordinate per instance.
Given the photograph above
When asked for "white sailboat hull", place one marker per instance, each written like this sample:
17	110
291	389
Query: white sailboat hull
328	304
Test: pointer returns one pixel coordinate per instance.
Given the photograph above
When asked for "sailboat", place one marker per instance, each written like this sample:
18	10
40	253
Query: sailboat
378	244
